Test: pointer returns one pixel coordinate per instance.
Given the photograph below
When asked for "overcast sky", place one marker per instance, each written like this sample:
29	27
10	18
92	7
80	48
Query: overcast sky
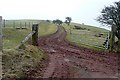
81	11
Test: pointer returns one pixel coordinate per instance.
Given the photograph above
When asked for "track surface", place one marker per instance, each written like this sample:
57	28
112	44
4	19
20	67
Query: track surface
68	61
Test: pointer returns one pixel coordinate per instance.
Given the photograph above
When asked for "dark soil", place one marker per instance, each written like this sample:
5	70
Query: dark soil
69	61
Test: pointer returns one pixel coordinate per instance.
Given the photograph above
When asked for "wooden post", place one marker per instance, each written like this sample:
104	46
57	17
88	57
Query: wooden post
4	23
25	24
20	25
112	37
1	46
107	44
35	35
70	30
29	24
14	24
25	40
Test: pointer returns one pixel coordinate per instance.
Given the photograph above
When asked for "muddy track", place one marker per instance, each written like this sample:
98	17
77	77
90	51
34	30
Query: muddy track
68	61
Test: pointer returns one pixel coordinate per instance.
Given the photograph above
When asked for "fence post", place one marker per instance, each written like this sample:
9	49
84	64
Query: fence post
112	37
35	35
1	33
14	24
25	24
1	46
4	23
29	24
20	25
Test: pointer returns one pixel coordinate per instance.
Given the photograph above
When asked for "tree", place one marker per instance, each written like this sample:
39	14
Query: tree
111	16
68	20
54	21
48	21
57	21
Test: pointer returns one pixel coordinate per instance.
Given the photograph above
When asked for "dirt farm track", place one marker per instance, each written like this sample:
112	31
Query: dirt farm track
69	61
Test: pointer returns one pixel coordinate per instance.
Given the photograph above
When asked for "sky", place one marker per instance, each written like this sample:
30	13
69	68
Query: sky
81	11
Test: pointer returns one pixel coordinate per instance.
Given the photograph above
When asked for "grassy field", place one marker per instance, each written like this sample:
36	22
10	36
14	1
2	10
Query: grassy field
87	37
17	63
13	37
20	23
46	28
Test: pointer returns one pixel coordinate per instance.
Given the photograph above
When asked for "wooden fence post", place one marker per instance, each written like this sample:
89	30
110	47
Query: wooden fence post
25	25
70	30
1	46
35	35
29	24
112	37
108	41
14	24
4	23
20	25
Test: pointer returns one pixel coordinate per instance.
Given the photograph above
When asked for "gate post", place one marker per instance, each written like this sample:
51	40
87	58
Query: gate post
1	46
35	35
4	23
112	37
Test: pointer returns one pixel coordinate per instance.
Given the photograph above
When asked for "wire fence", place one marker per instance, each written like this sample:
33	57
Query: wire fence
19	24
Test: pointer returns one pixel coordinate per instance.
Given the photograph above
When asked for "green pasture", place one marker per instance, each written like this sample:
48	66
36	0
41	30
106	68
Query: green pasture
46	28
20	23
12	37
86	38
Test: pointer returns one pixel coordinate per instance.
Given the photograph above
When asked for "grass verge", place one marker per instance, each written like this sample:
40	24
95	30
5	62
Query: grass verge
17	63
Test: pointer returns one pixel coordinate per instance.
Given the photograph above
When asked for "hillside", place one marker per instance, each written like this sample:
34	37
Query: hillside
87	36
